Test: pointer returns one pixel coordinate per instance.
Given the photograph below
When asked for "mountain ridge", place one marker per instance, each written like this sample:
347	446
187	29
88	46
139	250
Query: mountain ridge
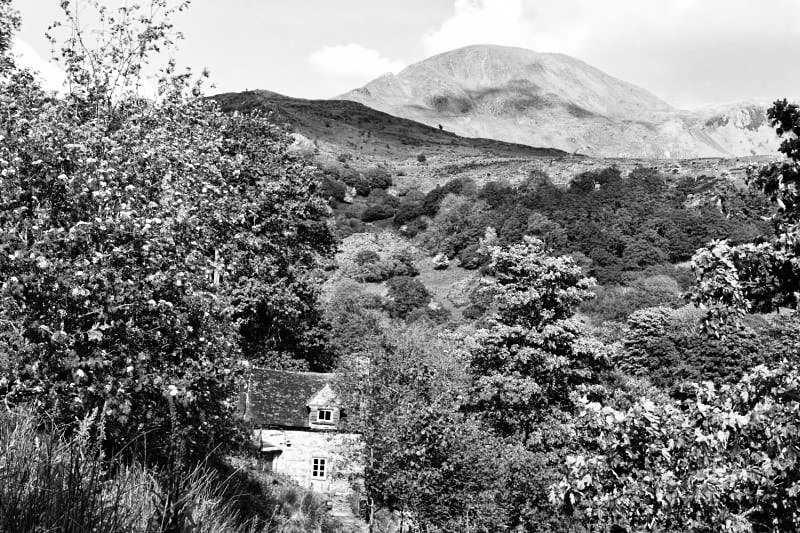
554	100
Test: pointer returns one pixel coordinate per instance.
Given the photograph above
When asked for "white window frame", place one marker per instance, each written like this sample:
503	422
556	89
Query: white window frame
328	412
319	468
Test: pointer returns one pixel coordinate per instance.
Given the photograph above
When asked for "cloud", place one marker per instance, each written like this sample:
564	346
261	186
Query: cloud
51	75
687	51
482	22
347	66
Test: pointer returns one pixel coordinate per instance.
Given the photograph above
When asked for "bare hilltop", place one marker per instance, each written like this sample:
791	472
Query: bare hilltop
556	101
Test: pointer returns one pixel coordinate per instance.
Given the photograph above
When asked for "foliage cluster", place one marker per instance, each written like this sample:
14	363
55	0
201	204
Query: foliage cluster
405	295
723	457
672	349
724	460
620	225
148	247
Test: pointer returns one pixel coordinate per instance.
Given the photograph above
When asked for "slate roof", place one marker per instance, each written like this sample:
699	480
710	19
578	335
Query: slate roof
279	398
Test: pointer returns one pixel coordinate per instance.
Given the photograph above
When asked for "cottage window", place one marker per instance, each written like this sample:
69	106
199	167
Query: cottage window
318	468
324	415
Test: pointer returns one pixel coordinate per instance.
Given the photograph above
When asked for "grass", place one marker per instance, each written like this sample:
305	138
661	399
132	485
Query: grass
51	481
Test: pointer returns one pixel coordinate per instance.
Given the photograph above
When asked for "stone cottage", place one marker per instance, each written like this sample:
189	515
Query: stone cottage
296	419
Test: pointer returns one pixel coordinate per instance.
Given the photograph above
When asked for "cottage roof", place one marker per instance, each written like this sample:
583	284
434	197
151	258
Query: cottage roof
281	398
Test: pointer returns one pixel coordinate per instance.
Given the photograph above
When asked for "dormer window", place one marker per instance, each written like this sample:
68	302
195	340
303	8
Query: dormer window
324	415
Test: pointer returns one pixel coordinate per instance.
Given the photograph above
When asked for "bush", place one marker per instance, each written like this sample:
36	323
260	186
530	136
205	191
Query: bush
671	349
378	178
367	257
421	157
331	188
371	268
375	212
406	294
616	302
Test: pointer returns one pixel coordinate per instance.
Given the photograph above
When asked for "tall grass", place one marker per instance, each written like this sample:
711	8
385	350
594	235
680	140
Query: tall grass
52	481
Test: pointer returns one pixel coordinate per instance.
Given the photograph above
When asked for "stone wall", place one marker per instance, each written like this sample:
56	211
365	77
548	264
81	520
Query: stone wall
292	452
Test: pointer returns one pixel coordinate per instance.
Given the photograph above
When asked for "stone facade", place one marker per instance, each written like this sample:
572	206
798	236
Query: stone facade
316	460
295	419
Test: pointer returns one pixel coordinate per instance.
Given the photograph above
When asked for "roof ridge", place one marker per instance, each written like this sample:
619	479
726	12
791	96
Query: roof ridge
295	372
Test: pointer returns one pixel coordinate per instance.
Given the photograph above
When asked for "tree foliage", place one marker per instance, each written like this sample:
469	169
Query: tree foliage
147	247
724	460
533	355
760	276
424	457
9	24
526	367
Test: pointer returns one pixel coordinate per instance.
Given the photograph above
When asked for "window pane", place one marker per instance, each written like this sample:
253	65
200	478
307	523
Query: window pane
318	468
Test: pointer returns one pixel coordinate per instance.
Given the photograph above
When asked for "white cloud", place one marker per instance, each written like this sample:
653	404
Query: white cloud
347	66
481	22
51	75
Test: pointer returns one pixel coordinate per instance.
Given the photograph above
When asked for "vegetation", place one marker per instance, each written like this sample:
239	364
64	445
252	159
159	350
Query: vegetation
53	478
152	250
725	457
148	248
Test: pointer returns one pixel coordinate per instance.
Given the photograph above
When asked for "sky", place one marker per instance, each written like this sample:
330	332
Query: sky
688	52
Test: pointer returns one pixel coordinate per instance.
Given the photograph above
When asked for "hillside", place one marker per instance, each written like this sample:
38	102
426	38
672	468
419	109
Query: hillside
344	130
343	124
553	100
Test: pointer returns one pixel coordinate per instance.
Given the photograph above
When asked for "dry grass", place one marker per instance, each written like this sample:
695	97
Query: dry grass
51	481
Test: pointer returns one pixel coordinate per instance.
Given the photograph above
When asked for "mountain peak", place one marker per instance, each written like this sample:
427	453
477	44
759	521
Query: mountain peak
540	99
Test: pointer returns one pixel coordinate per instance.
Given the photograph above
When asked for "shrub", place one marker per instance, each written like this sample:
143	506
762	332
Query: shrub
331	188
671	349
410	208
371	268
378	178
616	302
406	294
421	157
375	212
405	263
367	257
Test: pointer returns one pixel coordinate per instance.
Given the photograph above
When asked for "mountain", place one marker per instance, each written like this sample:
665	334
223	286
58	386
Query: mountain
553	100
344	125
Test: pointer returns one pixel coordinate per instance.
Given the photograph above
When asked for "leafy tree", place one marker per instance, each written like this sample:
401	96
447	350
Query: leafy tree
527	365
533	355
147	247
423	456
761	276
724	460
9	24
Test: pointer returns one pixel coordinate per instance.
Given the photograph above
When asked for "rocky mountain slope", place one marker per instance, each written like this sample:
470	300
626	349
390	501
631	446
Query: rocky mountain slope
553	100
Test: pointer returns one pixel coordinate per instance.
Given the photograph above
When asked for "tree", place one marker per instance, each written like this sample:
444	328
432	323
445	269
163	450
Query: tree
148	247
762	276
9	24
533	355
441	469
527	366
724	460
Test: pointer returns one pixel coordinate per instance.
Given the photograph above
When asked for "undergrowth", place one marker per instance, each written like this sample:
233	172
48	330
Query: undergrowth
55	481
